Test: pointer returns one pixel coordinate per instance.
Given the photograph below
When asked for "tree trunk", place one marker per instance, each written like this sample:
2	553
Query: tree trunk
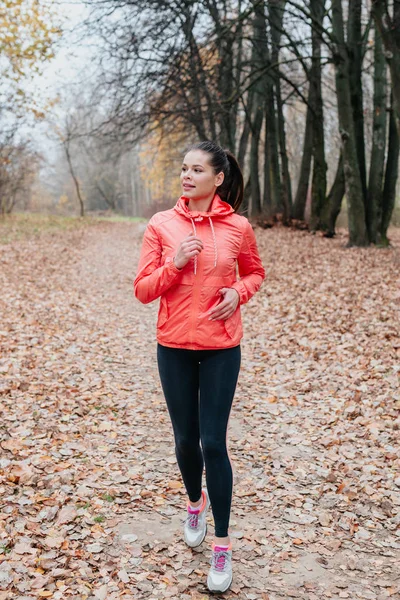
204	120
318	190
238	34
272	152
355	55
109	201
75	179
276	12
229	68
300	200
244	138
376	170
257	60
286	180
227	121
267	197
334	200
391	174
389	29
254	155
354	192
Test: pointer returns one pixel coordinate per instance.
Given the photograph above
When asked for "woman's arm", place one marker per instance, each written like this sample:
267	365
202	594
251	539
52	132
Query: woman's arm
251	270
152	279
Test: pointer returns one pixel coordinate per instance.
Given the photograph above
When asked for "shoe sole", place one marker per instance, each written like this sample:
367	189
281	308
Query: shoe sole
221	591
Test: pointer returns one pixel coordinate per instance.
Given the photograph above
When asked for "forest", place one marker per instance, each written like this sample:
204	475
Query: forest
99	101
306	94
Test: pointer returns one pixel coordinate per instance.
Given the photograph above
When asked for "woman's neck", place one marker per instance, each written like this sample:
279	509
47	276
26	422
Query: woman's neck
200	205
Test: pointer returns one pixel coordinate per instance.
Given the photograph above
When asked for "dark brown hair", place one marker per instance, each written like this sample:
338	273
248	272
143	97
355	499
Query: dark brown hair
231	190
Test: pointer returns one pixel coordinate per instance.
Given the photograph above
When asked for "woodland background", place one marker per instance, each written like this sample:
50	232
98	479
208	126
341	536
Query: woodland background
306	93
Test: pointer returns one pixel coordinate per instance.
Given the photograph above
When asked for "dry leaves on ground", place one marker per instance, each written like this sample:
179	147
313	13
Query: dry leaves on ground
91	497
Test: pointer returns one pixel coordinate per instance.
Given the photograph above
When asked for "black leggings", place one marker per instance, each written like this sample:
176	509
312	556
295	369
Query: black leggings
213	373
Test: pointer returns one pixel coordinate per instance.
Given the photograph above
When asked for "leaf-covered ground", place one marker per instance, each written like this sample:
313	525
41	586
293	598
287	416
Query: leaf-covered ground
91	500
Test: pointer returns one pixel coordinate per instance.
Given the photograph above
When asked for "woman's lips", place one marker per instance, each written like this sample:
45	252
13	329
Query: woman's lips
188	186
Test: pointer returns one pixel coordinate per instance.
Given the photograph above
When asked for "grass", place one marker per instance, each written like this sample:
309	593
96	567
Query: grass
120	219
99	519
23	226
108	497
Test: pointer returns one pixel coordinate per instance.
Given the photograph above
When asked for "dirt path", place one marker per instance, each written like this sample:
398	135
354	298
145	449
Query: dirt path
91	498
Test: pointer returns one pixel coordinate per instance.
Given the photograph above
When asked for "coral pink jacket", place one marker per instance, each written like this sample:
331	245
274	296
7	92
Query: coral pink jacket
187	294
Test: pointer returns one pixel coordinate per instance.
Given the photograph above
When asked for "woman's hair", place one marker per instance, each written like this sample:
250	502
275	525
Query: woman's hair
231	190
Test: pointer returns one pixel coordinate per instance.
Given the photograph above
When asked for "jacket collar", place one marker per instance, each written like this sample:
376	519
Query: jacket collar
218	208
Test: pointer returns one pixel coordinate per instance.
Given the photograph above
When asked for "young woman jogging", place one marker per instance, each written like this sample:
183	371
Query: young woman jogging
188	260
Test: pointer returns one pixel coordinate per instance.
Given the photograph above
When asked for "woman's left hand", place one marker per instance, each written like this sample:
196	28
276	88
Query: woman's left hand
228	305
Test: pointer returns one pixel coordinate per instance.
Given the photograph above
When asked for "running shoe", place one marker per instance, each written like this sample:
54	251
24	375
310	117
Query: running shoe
220	574
195	528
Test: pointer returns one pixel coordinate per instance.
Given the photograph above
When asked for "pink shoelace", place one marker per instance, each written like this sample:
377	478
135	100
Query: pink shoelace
193	516
219	559
193	520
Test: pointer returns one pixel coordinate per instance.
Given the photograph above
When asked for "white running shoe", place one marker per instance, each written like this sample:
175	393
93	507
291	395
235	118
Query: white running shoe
220	574
195	528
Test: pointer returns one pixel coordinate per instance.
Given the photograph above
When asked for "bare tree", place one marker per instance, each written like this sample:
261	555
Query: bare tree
229	71
388	24
19	162
67	136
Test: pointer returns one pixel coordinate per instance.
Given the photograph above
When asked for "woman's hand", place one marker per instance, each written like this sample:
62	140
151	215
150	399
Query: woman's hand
228	305
188	248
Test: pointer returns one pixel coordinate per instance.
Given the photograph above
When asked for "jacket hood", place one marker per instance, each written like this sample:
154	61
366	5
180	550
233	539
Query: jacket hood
218	208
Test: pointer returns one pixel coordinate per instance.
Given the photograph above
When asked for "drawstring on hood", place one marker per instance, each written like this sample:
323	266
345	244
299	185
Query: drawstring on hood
186	299
218	208
215	241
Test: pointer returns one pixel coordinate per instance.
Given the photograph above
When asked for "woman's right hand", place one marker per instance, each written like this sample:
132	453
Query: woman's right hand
188	248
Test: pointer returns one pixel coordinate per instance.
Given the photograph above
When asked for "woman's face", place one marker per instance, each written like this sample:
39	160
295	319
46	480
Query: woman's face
198	179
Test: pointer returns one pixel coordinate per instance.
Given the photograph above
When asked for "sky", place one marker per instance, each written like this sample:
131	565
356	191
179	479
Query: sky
69	69
70	58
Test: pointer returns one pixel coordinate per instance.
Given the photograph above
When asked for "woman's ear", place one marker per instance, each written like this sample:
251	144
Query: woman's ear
219	179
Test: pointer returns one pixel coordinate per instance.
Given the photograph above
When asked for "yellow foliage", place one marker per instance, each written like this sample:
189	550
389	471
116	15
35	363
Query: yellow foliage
28	31
160	162
63	200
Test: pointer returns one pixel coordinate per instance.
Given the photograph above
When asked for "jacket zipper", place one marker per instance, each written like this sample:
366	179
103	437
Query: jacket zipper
196	297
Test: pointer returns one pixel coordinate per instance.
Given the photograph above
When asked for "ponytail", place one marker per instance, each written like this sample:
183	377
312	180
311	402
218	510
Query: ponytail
232	188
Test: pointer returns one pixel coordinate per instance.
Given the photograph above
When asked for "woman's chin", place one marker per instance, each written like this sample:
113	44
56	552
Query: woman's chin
193	195
189	192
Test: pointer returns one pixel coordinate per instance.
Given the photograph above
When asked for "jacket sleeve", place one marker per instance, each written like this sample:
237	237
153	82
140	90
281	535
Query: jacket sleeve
251	270
153	279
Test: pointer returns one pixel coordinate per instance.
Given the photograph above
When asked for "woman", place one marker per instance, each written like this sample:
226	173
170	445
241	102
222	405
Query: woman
188	259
